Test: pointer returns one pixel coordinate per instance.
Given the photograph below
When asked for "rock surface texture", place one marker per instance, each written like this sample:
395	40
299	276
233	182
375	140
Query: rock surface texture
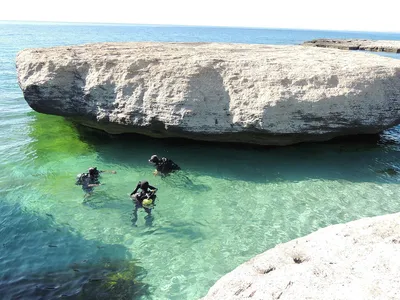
353	261
356	44
261	94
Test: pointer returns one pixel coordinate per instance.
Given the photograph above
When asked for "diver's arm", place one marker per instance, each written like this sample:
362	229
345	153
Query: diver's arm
108	171
159	168
153	190
93	182
136	189
164	167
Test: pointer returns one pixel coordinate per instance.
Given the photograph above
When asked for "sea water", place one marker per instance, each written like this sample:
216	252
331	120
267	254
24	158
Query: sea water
228	204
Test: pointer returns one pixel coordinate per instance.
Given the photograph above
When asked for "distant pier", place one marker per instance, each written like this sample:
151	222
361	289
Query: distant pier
356	44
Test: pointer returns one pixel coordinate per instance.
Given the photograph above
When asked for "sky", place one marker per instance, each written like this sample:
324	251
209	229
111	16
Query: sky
352	15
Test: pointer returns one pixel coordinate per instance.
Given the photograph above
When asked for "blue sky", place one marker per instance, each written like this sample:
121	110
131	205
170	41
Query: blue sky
353	15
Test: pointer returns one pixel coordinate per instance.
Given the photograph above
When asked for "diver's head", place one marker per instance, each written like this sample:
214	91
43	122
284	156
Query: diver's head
144	185
154	159
92	171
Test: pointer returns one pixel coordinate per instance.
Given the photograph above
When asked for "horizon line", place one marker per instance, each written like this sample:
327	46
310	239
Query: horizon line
181	25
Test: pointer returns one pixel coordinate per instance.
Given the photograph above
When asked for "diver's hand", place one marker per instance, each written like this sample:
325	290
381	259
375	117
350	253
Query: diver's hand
155	173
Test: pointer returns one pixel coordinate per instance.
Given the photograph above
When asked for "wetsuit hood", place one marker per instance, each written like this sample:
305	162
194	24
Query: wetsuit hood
144	185
154	159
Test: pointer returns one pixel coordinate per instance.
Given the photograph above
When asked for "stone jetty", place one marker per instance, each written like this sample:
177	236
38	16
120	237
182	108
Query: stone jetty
357	44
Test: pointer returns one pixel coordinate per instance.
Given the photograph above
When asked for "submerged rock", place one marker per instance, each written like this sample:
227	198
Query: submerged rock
347	261
388	171
110	280
261	94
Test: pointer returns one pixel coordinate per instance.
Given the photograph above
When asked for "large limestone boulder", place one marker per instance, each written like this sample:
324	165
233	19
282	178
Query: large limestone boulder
270	95
354	261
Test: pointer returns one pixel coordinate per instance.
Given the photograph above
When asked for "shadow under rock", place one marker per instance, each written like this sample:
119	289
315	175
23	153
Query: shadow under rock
361	158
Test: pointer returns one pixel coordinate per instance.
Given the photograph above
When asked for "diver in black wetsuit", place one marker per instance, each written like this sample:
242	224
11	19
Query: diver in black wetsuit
88	182
96	173
143	199
164	166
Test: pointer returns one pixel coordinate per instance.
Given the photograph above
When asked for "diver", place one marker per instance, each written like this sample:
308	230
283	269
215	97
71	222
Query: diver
164	166
93	174
88	182
96	173
147	192
144	199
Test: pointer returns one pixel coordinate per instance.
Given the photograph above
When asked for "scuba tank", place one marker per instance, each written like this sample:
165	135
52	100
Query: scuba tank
80	178
145	199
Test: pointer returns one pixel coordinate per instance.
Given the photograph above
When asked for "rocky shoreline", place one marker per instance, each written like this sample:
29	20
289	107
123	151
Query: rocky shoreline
356	44
356	260
256	94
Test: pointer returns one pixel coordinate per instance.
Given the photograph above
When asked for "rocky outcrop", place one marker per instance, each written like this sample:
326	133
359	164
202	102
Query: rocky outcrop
269	95
354	261
357	44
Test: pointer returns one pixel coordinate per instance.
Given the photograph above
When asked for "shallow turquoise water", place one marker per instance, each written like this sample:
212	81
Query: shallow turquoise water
228	204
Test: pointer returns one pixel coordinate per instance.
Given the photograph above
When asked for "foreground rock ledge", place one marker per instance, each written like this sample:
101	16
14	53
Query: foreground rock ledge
357	44
354	261
261	94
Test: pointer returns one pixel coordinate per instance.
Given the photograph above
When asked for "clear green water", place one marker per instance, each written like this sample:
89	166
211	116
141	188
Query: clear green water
228	204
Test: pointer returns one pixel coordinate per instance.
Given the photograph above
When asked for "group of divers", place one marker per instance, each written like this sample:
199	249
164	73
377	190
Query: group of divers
144	195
